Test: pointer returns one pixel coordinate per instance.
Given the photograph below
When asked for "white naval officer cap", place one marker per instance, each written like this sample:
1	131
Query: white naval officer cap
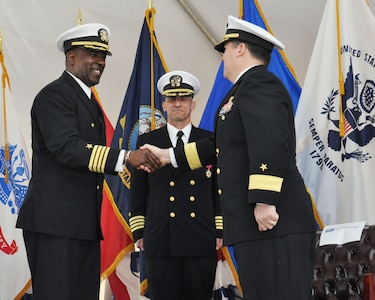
238	29
178	83
91	36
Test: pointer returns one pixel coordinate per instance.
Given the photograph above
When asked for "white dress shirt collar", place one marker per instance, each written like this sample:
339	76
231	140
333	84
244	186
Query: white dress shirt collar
83	86
172	132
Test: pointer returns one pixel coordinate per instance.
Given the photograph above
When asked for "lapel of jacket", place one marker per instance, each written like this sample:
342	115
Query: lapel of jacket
232	91
91	105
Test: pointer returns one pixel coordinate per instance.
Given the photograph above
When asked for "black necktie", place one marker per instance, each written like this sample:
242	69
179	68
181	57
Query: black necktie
179	139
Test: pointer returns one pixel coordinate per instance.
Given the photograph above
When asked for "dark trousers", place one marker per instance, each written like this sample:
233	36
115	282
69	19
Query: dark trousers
63	268
279	268
181	278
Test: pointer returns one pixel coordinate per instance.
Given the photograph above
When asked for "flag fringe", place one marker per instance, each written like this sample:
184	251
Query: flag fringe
318	220
23	291
228	259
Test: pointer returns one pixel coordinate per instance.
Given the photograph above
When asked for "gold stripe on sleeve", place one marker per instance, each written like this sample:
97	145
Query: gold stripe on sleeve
265	182
137	222
98	159
219	222
192	156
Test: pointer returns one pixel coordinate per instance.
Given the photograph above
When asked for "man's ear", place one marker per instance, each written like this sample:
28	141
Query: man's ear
241	48
70	56
193	105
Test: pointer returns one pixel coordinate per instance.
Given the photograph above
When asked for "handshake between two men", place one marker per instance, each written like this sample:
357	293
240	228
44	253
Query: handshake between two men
149	158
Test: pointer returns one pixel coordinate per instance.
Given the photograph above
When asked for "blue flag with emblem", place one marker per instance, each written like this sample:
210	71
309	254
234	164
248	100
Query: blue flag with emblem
141	112
250	11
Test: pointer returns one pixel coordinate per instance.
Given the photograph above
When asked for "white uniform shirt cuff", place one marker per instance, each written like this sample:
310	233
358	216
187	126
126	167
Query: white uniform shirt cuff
173	158
120	160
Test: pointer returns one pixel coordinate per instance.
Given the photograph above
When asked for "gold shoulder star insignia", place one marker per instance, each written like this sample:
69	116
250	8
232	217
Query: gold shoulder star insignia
263	167
89	146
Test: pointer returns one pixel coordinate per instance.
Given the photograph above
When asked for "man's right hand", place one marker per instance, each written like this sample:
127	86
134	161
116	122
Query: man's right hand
145	160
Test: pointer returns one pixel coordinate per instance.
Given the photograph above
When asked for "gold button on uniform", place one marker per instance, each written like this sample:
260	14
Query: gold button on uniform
98	187
171	198
223	117
219	191
192	198
192	214
172	214
171	183
217	152
192	182
92	125
218	171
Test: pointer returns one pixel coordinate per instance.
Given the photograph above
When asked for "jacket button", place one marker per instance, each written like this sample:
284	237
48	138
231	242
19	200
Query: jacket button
192	182
98	187
172	214
171	183
223	117
218	171
192	214
171	198
192	198
92	125
219	191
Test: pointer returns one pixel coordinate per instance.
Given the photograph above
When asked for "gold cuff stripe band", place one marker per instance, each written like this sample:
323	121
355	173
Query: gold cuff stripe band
192	156
265	183
136	223
98	159
219	222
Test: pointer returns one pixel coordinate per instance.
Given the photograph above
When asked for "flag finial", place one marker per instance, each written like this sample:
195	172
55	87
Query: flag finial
1	42
149	4
79	18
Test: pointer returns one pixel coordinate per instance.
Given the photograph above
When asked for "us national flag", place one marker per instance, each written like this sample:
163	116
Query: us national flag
335	126
14	179
141	112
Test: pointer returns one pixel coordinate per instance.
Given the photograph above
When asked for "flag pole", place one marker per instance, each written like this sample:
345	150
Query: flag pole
79	18
150	17
4	82
341	78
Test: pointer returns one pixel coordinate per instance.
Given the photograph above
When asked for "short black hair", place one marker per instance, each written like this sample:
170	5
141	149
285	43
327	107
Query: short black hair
257	51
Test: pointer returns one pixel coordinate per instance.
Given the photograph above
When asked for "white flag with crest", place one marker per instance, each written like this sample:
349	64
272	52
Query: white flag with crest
339	169
14	180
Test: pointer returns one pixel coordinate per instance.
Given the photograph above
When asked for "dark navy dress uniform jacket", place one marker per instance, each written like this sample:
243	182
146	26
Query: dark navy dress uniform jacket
69	159
173	210
254	144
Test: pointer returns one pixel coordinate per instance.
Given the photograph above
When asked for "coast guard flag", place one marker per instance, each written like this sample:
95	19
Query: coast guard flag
335	126
141	112
227	284
14	179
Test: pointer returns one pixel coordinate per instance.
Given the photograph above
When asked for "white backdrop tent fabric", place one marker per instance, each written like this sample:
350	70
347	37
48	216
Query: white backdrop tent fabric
29	30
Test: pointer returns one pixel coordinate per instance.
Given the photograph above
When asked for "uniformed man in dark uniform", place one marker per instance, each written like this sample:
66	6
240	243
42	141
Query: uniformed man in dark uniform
175	215
60	215
267	212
